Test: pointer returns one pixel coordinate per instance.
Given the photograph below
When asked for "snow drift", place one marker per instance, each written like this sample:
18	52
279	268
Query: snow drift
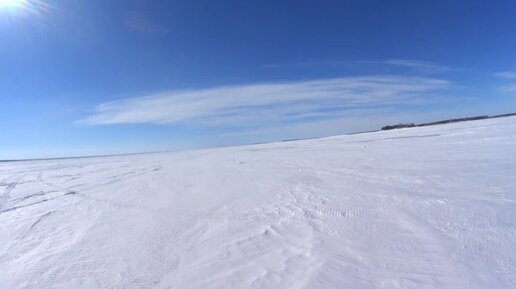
429	207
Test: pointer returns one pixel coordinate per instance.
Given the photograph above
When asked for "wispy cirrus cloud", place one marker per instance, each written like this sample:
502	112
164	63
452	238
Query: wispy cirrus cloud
422	66
511	88
506	74
265	104
510	76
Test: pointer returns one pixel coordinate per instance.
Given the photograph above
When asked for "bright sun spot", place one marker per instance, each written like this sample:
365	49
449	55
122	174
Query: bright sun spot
23	6
12	3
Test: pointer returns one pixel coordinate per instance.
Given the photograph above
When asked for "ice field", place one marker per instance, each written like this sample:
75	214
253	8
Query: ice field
428	207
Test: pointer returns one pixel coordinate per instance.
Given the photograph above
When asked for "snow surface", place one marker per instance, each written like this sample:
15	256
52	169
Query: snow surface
430	207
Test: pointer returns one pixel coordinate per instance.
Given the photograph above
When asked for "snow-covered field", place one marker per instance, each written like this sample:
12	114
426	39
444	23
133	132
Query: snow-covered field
431	207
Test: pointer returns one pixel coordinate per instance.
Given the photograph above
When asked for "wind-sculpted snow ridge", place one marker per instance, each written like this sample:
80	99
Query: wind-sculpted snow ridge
428	207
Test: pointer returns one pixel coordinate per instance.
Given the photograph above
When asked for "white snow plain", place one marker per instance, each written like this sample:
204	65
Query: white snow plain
429	207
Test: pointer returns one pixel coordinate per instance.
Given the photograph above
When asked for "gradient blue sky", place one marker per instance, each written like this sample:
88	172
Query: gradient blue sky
102	77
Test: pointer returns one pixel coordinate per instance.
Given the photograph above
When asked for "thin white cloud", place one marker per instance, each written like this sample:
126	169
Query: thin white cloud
506	74
511	88
422	66
508	88
357	121
266	104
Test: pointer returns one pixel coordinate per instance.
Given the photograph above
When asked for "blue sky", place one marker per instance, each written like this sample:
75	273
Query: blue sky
102	77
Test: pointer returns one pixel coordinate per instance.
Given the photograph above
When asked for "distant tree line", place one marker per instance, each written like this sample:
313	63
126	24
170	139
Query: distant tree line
404	125
395	126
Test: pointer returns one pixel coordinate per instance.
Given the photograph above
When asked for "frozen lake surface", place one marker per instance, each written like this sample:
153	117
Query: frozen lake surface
429	207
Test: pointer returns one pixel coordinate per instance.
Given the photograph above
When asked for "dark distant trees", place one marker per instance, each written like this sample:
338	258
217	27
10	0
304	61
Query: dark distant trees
401	125
404	125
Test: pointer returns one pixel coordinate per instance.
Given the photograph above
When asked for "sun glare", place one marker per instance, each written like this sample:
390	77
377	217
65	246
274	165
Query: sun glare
24	6
11	3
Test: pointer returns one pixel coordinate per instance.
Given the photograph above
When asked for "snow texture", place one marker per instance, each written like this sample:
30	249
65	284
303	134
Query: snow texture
429	207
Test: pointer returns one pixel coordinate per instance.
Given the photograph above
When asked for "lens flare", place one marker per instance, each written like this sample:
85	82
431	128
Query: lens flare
22	7
10	4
